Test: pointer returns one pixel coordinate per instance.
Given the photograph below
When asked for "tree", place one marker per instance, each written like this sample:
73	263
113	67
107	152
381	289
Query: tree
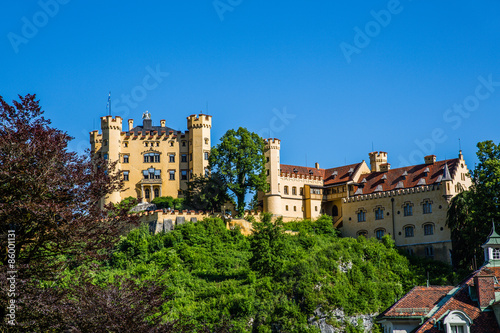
471	212
50	197
206	193
240	163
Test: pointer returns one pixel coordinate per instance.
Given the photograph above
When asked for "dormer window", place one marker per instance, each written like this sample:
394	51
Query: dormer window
334	174
457	322
496	253
405	174
426	171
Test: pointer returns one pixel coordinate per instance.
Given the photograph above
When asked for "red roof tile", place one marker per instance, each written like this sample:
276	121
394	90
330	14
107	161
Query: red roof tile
328	174
416	173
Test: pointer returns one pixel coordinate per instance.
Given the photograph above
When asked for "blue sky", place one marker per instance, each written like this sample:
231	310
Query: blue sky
328	79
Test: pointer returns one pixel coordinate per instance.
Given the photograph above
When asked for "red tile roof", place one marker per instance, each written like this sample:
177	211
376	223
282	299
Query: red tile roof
444	300
327	174
416	176
417	302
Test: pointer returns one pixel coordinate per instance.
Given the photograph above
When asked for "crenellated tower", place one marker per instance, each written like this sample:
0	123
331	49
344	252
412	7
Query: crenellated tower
377	159
111	147
272	199
199	127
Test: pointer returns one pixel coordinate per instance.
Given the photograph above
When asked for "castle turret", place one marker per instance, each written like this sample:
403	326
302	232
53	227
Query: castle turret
377	158
272	198
199	127
111	147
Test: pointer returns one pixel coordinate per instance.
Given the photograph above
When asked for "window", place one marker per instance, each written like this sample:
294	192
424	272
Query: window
191	174
361	216
146	193
294	208
429	251
408	209
184	158
496	253
379	213
190	157
145	144
379	233
152	158
267	172
125	158
184	143
285	190
125	175
157	144
205	155
294	190
171	158
301	191
362	233
409	231
172	174
184	175
125	144
267	159
157	174
157	193
206	141
286	208
427	207
457	329
409	251
171	143
428	229
316	208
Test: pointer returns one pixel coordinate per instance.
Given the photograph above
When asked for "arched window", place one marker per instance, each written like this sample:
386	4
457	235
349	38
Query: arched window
294	190
146	193
379	233
428	229
335	210
157	193
409	231
361	215
457	322
285	190
363	233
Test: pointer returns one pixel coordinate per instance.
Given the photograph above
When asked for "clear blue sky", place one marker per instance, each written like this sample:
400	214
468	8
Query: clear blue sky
328	78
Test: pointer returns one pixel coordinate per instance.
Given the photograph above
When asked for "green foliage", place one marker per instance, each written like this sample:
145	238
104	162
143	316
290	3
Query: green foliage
240	163
471	212
270	281
126	204
169	202
206	193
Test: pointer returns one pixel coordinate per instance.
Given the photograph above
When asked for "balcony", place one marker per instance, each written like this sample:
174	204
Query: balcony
151	181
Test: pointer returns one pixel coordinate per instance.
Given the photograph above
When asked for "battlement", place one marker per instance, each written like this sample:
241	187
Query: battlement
393	193
153	135
377	158
108	122
273	143
199	121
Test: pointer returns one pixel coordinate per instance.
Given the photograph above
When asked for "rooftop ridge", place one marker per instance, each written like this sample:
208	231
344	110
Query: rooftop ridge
391	193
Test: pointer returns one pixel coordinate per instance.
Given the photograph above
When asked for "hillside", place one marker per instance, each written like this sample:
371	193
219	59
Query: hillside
271	281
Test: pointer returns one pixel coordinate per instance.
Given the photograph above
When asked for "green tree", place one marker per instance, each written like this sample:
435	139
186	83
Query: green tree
163	202
240	163
206	193
471	212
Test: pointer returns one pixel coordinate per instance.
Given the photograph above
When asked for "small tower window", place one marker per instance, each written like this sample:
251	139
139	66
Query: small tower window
428	229
408	209
125	158
427	206
205	155
496	253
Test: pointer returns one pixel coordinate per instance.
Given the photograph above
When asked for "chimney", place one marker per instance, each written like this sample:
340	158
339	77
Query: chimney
384	167
485	287
130	124
376	159
162	123
147	124
430	159
316	165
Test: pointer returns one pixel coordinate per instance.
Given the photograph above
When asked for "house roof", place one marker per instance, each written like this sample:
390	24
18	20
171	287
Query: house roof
330	176
407	177
443	300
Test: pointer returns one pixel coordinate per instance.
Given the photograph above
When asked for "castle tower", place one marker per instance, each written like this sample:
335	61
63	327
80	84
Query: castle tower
492	248
111	147
272	199
199	142
377	158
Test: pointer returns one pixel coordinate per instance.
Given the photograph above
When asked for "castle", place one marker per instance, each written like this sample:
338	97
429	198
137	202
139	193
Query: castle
155	160
408	203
